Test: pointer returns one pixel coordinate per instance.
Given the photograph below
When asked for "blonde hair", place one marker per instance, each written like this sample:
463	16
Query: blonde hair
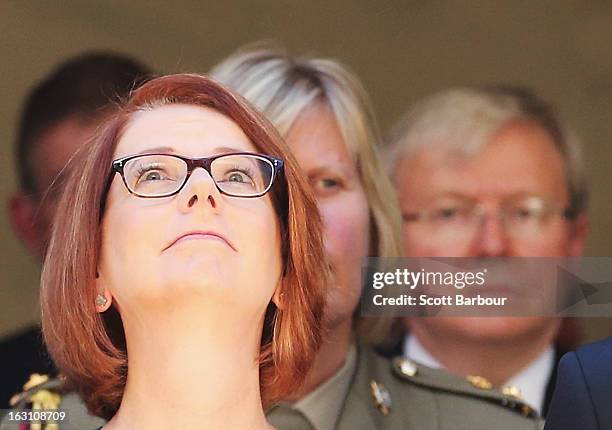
282	87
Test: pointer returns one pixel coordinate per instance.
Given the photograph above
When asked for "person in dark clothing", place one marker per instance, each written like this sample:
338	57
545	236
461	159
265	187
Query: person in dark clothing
583	392
59	115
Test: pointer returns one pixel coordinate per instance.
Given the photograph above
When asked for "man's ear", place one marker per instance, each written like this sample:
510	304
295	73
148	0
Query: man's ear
578	235
22	213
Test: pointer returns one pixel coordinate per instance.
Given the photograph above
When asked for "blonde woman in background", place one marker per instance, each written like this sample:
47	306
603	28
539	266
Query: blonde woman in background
323	112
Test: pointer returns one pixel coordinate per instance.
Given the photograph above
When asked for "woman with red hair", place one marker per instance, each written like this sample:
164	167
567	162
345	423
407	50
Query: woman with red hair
183	285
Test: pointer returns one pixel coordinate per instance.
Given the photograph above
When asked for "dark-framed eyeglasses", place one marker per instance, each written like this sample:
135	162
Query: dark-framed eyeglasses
239	174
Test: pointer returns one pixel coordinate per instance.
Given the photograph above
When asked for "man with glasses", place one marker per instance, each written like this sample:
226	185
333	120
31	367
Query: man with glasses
488	172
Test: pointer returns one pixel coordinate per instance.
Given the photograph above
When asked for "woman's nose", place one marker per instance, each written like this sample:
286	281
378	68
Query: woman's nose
200	189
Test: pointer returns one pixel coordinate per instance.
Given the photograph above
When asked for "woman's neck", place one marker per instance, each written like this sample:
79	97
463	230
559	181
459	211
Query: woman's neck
183	376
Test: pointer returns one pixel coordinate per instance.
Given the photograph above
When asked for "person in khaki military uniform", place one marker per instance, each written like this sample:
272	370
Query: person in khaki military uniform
373	392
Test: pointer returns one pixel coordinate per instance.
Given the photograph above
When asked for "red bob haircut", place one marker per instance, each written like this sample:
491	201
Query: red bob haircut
89	347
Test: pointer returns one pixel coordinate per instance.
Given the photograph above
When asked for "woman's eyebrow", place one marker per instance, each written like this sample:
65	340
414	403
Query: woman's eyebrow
168	149
331	169
160	149
228	149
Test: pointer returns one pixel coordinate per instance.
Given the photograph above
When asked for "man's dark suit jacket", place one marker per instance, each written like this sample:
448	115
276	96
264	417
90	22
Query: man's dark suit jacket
20	356
583	393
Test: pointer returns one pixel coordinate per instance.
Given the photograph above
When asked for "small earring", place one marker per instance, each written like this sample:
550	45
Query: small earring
101	300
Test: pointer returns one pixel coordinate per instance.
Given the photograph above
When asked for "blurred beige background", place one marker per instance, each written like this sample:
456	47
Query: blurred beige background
401	49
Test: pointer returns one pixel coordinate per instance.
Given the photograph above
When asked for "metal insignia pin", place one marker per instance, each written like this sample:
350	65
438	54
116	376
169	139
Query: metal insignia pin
480	382
528	411
35	380
382	397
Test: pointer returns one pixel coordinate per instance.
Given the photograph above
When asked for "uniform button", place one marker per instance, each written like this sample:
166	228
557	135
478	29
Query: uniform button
513	391
407	367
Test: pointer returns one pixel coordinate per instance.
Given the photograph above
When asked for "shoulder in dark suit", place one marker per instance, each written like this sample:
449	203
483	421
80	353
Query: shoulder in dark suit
20	356
583	393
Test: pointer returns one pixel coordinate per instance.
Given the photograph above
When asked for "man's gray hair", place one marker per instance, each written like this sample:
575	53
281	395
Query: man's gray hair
464	119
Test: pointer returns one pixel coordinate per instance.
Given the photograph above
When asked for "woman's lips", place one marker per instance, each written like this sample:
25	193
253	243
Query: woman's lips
200	235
